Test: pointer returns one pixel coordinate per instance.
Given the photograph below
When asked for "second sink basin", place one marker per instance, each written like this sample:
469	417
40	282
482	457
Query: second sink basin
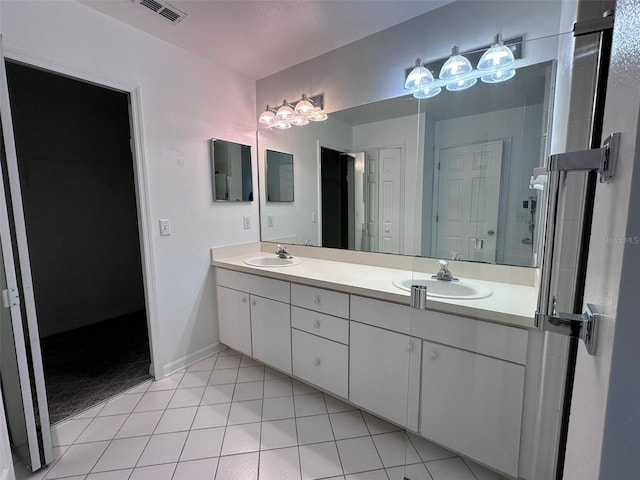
272	261
462	289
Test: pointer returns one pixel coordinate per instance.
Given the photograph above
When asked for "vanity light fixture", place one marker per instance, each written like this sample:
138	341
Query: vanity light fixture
297	113
497	57
419	78
455	67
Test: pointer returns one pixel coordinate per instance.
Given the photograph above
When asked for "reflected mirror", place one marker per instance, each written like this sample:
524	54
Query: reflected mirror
231	171
445	177
279	176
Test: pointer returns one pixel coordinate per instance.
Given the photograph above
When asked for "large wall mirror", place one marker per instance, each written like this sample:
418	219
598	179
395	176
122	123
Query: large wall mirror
232	178
445	177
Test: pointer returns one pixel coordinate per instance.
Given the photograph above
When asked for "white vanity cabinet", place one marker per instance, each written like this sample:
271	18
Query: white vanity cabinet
384	365
255	317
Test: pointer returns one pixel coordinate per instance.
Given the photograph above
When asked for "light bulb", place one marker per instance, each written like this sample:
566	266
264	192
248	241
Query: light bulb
461	84
318	115
300	121
496	57
418	77
455	67
304	106
282	125
284	112
267	117
499	76
427	92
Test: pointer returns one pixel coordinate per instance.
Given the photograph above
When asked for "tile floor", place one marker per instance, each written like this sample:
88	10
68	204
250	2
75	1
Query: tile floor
230	418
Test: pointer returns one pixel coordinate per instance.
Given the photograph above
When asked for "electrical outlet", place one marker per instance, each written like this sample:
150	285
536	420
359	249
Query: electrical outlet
246	220
269	220
165	227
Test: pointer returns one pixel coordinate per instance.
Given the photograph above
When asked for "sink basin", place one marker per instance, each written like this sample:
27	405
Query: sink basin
272	261
462	289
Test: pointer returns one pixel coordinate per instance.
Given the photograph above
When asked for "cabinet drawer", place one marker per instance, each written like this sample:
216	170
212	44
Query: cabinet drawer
320	300
326	326
381	314
263	287
321	362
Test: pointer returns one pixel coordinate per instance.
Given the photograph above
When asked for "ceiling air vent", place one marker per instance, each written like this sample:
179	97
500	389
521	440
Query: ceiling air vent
169	12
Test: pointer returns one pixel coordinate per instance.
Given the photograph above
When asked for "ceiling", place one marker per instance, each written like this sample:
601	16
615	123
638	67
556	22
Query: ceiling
261	37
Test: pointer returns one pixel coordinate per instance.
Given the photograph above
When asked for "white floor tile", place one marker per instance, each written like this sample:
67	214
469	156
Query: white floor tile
251	374
205	365
309	404
223	377
187	397
278	434
245	412
417	471
204	469
102	428
335	406
247	391
483	473
78	460
373	475
121	454
65	433
429	451
238	467
176	420
155	472
280	387
300	388
167	383
358	455
230	361
395	449
154	401
163	449
282	464
377	425
121	405
113	475
203	443
319	460
277	408
209	416
450	469
194	379
348	425
140	424
241	439
218	394
248	362
314	429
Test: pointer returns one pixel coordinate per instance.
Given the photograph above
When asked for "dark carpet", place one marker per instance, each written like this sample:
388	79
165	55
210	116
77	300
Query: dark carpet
85	366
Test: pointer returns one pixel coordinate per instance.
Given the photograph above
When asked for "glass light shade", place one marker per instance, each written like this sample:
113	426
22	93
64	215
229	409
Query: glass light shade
418	77
282	125
285	112
461	84
318	116
496	57
267	117
427	92
455	67
299	121
499	76
304	107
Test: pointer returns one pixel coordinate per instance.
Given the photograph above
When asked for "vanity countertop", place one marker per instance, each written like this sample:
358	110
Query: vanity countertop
509	304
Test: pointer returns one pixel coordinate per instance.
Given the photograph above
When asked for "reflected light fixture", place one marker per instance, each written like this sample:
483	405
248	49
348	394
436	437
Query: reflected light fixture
419	77
455	67
298	113
497	57
499	76
462	84
427	92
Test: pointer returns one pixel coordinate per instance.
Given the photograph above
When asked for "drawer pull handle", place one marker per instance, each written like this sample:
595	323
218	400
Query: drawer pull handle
316	300
433	355
409	348
317	362
244	300
253	302
316	324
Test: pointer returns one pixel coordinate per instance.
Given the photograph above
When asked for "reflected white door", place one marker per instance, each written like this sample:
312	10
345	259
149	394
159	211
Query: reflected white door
371	201
390	200
468	199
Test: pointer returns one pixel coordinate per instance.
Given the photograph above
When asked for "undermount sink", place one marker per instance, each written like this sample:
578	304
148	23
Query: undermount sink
462	289
272	261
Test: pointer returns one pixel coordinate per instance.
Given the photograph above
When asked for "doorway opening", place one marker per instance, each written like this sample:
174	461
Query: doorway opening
73	142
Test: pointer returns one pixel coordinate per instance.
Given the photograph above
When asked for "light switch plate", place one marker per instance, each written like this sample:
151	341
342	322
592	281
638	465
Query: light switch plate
246	221
269	220
165	227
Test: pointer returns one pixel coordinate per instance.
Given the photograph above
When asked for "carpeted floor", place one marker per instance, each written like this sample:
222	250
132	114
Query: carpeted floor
85	366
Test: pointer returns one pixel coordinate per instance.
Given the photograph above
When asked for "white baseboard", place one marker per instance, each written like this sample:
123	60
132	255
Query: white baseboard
190	359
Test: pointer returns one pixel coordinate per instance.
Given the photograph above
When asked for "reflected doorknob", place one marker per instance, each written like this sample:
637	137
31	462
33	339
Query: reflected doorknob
490	232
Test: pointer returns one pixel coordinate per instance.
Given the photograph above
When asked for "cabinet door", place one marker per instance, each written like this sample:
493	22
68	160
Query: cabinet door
384	372
472	404
271	332
234	322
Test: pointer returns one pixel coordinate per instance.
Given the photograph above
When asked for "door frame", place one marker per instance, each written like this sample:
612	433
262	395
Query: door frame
141	182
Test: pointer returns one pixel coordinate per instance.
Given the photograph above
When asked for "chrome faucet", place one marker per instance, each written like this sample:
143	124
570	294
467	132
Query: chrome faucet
282	252
444	273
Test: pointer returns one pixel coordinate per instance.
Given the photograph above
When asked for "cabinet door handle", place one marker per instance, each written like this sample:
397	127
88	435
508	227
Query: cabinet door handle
253	302
409	348
316	300
244	300
316	324
316	362
433	355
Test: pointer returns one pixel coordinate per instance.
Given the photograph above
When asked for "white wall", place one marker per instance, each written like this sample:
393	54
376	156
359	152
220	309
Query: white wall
294	218
184	101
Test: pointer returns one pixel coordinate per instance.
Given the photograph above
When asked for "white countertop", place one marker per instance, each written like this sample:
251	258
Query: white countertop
509	304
